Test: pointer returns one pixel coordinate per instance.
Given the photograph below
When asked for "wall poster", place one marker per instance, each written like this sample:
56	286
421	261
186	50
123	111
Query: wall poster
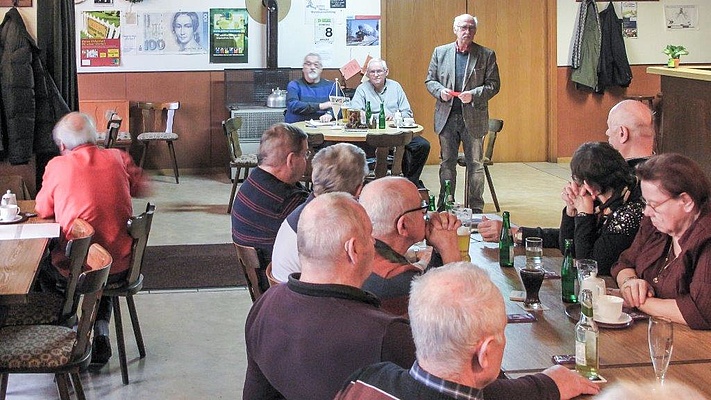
100	39
228	35
159	33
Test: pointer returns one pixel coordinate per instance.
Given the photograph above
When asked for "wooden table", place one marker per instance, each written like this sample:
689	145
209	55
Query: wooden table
19	261
530	346
695	375
343	135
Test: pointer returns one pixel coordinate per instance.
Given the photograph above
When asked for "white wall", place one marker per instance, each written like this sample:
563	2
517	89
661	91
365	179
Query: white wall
296	36
29	16
653	35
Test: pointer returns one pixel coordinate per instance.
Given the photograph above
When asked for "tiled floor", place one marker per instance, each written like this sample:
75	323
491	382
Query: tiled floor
194	339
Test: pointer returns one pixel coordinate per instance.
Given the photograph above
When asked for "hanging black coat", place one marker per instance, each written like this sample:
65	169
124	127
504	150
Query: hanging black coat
613	68
30	103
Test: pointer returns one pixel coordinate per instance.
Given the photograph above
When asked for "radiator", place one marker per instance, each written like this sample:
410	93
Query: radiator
255	120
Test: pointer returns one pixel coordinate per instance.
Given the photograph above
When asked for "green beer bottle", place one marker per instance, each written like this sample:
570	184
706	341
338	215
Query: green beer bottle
568	274
506	243
381	117
448	196
368	113
432	206
587	360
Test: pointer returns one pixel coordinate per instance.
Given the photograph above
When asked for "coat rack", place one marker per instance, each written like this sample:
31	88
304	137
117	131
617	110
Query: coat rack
15	3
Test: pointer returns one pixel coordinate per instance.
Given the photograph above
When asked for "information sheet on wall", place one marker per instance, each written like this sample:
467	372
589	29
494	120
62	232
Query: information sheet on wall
154	37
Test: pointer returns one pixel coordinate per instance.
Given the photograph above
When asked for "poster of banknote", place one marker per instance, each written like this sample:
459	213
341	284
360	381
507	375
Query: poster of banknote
100	39
228	35
158	33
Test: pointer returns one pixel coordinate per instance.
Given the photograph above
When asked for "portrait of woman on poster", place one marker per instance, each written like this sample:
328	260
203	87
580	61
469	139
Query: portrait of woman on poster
186	27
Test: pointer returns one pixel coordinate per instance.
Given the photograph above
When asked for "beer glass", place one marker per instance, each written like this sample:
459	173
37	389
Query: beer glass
534	253
660	334
464	232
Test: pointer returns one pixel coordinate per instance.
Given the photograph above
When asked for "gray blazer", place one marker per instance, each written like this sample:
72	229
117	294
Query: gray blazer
482	78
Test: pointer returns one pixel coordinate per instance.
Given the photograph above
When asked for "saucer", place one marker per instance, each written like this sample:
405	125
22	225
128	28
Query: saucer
17	218
622	320
573	313
404	126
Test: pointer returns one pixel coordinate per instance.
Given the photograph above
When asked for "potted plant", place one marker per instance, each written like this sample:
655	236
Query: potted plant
674	52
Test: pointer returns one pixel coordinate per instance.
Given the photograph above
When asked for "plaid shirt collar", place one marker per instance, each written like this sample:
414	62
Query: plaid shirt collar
449	388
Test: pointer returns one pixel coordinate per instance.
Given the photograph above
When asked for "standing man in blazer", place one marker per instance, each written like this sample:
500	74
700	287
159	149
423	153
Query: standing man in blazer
463	76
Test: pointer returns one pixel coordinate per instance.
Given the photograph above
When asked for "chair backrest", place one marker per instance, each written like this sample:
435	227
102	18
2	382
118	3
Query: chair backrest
231	128
112	130
80	235
383	143
270	276
139	227
495	126
90	285
16	184
249	262
314	141
150	112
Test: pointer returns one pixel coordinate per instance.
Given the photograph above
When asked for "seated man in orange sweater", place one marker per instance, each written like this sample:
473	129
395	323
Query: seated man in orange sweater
96	185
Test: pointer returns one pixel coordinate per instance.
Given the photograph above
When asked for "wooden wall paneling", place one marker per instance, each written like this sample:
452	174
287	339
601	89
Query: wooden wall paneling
519	35
582	115
192	120
105	86
411	31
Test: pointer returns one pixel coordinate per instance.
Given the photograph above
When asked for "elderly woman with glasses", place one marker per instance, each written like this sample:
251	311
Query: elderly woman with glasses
603	205
667	270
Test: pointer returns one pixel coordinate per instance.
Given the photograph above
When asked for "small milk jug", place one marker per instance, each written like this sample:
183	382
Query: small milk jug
9	199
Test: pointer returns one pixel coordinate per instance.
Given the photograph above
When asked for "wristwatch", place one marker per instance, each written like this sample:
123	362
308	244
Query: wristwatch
581	214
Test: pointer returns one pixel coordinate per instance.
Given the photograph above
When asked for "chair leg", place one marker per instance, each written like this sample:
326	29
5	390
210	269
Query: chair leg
491	188
232	194
136	326
143	154
466	187
175	161
119	340
78	388
62	385
3	385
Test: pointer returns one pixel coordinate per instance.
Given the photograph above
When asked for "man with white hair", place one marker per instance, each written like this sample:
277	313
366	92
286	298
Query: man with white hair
379	90
337	168
463	76
458	318
309	97
96	185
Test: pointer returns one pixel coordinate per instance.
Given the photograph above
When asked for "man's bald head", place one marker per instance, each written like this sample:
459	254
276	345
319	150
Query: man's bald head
630	129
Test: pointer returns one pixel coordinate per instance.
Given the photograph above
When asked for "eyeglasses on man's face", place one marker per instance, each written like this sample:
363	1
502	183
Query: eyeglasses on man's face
309	64
377	71
466	27
423	207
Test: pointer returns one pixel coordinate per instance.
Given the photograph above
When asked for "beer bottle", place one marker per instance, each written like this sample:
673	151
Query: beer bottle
432	206
368	113
448	196
381	117
506	243
587	361
568	274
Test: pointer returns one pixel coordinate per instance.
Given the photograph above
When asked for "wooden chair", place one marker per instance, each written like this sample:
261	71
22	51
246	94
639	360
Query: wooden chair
152	114
249	262
495	126
272	281
139	227
54	307
15	184
112	130
383	144
238	160
58	350
314	141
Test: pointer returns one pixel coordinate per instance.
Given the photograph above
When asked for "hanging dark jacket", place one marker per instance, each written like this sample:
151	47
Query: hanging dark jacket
30	103
614	69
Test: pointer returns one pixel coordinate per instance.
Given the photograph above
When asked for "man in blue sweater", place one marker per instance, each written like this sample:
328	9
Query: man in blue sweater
308	97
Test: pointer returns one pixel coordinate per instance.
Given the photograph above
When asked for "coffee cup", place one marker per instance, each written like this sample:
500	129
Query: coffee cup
609	308
408	121
9	212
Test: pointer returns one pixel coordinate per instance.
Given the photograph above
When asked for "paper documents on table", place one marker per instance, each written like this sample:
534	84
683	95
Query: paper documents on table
315	124
29	231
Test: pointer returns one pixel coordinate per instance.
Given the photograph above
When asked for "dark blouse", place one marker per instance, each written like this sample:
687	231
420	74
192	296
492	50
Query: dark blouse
687	277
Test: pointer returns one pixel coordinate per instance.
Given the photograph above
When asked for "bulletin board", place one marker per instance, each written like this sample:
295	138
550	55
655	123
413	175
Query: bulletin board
188	35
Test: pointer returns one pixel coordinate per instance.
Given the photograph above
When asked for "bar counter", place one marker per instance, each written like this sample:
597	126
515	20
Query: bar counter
686	112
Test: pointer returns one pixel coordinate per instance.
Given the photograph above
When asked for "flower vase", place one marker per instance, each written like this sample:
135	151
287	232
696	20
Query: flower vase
673	63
